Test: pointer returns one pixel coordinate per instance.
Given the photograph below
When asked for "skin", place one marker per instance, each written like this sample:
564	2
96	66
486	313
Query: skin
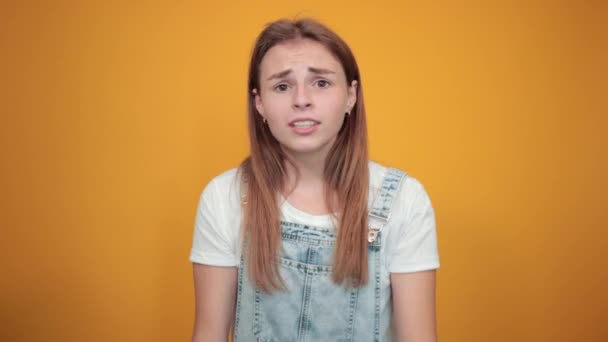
315	87
414	306
303	79
325	97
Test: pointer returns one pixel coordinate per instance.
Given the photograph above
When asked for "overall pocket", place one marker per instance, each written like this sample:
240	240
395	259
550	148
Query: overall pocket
312	307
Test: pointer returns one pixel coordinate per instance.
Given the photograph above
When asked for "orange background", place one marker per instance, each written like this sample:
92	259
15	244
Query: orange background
115	116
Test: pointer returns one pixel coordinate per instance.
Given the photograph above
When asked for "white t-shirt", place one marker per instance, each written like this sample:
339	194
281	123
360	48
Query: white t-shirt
410	236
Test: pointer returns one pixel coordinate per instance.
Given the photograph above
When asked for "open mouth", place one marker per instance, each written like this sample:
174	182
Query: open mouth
303	123
304	126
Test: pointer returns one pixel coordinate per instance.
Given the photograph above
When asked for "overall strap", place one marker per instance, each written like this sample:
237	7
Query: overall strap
380	211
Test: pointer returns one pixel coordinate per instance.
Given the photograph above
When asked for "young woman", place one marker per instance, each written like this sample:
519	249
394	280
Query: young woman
309	240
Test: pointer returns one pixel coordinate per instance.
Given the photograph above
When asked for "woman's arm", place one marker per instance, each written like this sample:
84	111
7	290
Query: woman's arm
215	296
414	306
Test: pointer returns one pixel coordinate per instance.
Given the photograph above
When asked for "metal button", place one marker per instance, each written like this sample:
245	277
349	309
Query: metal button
371	235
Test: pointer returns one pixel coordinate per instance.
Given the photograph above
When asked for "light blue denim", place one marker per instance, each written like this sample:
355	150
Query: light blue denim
313	308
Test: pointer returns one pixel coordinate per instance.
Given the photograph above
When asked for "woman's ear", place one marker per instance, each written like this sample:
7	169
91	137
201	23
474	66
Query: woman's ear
258	101
352	96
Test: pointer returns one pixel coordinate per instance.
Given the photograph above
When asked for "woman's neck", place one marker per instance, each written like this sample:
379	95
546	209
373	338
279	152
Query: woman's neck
307	191
309	170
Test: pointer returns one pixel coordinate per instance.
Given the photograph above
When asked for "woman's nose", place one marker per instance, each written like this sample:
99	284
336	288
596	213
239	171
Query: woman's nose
301	98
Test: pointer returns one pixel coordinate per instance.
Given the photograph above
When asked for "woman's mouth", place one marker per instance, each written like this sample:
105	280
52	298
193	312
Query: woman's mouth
304	127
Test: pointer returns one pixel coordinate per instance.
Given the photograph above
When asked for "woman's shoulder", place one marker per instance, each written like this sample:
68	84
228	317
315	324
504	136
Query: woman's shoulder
410	187
225	178
224	189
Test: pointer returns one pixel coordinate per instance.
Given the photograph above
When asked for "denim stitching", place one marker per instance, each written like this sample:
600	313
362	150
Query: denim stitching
304	320
377	289
354	296
239	293
322	237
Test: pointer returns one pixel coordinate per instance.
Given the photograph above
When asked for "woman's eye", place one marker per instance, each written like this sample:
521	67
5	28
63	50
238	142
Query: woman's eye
281	87
323	83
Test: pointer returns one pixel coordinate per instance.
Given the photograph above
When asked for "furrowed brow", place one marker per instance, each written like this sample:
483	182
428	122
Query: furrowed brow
279	75
320	71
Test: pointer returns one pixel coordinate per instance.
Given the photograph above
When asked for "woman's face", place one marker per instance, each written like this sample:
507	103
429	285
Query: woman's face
304	96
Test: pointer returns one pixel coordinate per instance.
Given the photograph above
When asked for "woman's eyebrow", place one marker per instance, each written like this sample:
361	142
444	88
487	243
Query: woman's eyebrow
319	71
279	74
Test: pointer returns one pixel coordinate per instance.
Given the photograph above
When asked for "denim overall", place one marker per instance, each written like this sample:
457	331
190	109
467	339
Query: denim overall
313	308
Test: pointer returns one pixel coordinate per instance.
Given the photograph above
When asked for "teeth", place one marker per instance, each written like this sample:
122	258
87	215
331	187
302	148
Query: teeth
307	123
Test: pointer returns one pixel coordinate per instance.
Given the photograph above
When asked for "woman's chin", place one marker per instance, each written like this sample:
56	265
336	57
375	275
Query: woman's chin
306	149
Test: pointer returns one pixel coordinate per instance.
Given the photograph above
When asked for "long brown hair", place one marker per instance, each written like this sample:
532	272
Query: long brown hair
346	173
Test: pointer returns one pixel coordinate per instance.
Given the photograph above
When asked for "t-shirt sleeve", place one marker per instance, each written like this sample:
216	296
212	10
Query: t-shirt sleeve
415	242
211	244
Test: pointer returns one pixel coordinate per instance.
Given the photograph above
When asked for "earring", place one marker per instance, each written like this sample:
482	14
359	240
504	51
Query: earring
264	120
347	114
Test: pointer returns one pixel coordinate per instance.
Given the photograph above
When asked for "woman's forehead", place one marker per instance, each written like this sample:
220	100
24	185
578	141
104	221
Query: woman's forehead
303	53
